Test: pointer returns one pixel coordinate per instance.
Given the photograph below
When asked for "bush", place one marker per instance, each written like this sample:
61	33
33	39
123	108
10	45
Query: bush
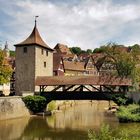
131	113
52	105
35	103
121	99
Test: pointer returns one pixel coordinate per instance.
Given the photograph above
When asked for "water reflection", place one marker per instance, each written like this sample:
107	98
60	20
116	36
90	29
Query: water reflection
12	129
71	124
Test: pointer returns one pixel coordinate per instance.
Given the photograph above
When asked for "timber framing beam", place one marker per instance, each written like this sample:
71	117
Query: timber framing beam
42	88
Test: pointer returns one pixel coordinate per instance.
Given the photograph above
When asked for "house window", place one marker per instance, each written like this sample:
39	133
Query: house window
25	49
44	64
46	53
42	51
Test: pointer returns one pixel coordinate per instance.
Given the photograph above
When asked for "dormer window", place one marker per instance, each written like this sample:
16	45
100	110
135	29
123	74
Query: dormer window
25	49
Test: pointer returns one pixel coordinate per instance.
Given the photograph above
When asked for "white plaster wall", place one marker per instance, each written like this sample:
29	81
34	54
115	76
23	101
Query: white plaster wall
40	58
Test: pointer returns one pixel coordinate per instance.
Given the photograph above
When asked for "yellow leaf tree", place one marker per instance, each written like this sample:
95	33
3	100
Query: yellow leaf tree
5	69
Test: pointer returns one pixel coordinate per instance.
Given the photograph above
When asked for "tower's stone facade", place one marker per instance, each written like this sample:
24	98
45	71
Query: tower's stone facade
33	58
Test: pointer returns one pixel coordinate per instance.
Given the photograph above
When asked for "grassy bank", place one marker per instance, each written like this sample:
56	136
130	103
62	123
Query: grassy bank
130	113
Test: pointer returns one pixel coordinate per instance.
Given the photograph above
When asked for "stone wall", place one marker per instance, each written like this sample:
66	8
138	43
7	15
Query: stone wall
25	69
12	107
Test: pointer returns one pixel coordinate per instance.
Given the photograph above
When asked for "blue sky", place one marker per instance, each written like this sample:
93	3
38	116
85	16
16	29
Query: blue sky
83	23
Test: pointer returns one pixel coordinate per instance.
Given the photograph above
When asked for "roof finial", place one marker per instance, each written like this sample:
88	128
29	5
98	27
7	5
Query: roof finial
36	20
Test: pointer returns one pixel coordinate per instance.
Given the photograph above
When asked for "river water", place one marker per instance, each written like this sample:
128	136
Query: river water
70	124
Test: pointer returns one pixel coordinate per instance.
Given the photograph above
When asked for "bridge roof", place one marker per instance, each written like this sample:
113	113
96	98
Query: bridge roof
82	80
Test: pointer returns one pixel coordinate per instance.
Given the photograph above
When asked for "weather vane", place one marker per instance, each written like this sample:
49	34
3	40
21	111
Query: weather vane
36	19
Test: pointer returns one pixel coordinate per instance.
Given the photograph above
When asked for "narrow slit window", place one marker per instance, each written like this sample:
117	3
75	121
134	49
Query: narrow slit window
25	49
46	53
42	51
44	64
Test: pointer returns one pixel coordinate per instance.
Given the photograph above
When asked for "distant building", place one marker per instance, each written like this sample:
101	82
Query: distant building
90	66
74	68
70	57
58	65
33	58
83	56
62	49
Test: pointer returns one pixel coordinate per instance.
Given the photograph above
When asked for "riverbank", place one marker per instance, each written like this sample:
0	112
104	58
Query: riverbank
14	107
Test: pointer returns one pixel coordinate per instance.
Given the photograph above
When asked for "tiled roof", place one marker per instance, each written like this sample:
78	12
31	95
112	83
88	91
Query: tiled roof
122	48
75	66
97	56
34	39
82	80
68	55
61	48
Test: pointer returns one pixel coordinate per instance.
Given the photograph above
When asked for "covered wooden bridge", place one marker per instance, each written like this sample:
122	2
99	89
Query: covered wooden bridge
82	87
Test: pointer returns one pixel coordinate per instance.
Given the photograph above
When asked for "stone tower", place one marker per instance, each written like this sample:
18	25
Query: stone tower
6	50
33	58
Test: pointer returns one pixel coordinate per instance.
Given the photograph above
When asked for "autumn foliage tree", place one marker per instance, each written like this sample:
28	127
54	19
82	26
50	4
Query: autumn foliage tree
5	69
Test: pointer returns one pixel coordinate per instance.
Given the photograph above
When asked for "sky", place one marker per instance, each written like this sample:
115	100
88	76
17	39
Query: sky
84	23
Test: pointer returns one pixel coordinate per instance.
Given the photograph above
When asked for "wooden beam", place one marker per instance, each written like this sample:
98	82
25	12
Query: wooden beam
63	87
58	87
86	88
66	89
95	88
108	88
77	88
81	88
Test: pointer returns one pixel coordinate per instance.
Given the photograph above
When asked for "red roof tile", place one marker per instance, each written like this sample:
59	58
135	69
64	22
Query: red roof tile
61	48
75	66
82	80
34	39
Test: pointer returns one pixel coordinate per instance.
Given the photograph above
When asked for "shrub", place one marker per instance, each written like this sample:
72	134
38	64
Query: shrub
52	106
121	99
131	113
35	103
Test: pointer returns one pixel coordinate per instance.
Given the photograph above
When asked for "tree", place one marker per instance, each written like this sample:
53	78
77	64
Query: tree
99	50
12	53
125	65
5	69
75	50
89	51
123	61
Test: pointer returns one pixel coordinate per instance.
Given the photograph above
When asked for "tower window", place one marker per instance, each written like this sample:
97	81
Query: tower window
42	51
44	64
46	53
25	49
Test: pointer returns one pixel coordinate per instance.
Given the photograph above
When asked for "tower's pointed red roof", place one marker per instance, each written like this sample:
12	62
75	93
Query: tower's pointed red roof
34	39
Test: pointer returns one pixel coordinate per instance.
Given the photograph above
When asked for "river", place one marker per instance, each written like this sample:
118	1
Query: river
70	124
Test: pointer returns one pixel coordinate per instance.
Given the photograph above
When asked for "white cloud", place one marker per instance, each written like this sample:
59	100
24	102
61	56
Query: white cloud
88	24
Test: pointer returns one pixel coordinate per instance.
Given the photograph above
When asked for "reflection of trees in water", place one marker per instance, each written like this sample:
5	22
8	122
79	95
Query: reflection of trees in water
38	129
12	129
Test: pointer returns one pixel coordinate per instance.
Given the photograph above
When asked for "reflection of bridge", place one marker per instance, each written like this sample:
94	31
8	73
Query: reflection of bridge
82	87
